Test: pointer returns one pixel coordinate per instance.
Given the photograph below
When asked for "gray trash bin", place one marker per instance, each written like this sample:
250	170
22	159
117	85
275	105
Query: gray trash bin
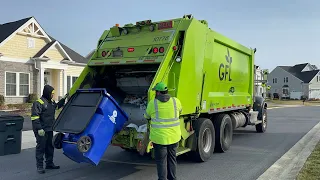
10	133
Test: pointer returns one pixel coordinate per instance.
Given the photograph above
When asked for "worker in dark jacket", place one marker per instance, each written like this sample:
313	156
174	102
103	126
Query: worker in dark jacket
43	116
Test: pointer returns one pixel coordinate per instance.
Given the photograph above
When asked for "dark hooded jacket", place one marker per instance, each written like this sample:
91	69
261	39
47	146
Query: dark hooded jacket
43	110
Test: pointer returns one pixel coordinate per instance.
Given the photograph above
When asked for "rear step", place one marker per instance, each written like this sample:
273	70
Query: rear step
182	150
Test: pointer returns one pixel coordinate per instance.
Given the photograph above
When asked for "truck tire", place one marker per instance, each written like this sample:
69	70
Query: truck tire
262	127
205	136
224	132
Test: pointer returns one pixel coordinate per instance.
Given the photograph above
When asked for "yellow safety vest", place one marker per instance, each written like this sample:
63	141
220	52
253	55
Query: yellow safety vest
165	122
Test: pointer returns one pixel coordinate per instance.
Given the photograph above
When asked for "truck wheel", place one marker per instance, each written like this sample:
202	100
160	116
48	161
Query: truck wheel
224	131
262	127
205	136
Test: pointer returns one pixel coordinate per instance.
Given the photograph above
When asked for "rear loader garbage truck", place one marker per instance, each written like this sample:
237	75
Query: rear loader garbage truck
212	75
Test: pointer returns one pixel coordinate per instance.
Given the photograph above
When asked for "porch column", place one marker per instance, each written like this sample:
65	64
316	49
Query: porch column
64	79
41	75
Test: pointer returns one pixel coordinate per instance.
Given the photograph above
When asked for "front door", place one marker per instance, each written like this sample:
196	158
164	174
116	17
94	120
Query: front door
47	77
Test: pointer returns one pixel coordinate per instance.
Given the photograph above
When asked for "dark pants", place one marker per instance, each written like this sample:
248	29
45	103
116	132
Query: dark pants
165	156
44	147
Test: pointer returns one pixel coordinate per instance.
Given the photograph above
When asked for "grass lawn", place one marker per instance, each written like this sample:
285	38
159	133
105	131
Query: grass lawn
311	169
25	112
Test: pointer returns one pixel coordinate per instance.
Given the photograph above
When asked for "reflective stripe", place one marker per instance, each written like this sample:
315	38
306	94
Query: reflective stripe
165	125
34	118
157	119
165	120
40	101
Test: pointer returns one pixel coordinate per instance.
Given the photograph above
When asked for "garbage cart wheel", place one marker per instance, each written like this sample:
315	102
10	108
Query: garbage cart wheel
224	132
57	140
84	144
262	127
205	137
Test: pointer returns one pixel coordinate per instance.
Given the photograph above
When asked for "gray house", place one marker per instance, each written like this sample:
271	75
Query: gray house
295	81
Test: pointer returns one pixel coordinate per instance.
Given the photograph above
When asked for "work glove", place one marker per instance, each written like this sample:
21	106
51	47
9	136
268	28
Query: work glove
41	132
65	96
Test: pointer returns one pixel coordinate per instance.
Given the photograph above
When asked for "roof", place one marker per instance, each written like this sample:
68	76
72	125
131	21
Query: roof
296	70
73	55
8	28
90	54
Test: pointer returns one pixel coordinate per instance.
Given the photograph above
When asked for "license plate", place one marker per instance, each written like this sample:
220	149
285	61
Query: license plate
117	53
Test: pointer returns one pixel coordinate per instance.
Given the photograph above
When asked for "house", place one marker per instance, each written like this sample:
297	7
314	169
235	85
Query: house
30	59
295	81
259	90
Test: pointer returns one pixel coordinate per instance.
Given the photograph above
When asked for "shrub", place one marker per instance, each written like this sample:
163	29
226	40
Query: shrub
32	98
2	101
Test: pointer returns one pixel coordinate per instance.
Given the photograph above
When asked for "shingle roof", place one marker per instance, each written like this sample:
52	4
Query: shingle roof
8	28
305	76
73	55
90	54
44	49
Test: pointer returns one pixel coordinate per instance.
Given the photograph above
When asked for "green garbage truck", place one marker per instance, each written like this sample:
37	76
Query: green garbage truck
212	75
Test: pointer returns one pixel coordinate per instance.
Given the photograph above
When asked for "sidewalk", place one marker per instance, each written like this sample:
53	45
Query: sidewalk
28	139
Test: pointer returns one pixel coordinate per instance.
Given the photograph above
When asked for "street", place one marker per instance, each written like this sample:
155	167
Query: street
250	155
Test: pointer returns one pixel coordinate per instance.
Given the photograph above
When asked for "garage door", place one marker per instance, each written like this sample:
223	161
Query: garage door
314	94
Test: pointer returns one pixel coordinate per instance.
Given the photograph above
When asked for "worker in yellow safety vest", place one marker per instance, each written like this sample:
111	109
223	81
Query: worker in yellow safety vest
165	133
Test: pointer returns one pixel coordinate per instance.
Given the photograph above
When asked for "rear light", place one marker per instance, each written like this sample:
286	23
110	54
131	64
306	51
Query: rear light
155	50
165	25
175	48
104	53
161	49
148	22
142	23
130	49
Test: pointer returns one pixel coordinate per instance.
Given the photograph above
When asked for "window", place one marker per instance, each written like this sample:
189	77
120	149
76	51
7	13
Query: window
317	78
285	91
24	84
70	81
11	84
17	84
274	80
287	79
31	43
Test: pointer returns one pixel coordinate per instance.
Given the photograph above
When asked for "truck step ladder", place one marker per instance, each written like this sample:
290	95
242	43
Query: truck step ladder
182	150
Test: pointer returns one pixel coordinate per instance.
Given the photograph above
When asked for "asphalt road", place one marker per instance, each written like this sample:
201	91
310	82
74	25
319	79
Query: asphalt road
250	155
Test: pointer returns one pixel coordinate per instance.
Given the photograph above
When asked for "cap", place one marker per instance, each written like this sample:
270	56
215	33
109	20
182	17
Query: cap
160	87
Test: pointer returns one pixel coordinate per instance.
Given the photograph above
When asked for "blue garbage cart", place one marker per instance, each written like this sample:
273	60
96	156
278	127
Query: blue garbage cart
87	124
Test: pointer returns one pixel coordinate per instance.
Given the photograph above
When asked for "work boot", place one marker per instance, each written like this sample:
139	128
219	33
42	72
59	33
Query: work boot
40	170
52	166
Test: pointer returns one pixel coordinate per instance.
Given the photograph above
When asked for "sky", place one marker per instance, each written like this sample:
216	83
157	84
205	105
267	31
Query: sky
285	32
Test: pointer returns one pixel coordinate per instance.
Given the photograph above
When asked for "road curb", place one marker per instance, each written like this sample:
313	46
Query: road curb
290	164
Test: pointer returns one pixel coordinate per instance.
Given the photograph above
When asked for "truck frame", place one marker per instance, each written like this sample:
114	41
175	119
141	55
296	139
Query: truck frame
212	75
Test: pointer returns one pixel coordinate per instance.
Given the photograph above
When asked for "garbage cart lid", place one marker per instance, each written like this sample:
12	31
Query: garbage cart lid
78	112
9	116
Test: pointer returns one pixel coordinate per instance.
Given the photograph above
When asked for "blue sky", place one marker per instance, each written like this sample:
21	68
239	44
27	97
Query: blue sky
284	32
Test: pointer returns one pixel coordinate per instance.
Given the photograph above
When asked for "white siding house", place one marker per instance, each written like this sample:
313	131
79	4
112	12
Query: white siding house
289	82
